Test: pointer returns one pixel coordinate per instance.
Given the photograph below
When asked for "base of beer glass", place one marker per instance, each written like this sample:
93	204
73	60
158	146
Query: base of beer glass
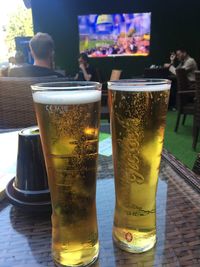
132	247
78	265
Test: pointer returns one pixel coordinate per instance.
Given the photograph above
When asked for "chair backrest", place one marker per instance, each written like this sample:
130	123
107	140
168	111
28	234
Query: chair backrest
197	98
197	80
115	75
182	85
182	80
16	103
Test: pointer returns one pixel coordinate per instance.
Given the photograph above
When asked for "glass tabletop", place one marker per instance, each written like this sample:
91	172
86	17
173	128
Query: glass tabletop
25	238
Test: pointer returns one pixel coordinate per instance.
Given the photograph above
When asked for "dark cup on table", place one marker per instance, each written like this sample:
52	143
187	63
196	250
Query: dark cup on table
30	186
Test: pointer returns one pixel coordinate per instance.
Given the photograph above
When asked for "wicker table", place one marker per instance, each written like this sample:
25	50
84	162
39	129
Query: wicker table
25	238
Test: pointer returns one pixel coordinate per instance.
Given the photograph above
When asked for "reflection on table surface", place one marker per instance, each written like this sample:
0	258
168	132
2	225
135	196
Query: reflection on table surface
26	238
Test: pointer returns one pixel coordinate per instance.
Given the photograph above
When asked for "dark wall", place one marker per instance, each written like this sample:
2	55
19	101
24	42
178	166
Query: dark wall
174	23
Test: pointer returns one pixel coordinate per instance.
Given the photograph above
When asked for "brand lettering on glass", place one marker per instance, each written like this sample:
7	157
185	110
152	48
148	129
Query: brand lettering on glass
56	109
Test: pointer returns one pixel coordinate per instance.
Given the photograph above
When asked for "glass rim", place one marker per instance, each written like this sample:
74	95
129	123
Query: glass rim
33	130
140	84
66	85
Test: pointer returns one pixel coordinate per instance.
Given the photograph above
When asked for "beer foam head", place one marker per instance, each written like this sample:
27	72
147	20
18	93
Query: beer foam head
140	85
67	97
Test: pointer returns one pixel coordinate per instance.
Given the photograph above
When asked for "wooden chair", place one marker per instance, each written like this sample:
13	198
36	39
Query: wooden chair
196	118
115	75
16	103
185	96
196	166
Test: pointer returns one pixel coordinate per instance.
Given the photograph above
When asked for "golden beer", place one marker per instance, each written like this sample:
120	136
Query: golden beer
138	114
69	126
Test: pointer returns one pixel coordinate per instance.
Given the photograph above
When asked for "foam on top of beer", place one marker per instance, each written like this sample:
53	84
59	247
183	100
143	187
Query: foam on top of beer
67	97
140	85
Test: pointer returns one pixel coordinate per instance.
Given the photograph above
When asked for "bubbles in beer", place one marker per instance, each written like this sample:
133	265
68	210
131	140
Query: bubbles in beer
138	122
69	129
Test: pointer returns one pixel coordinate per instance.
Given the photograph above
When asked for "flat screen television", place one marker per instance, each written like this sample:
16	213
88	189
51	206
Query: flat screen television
104	35
22	44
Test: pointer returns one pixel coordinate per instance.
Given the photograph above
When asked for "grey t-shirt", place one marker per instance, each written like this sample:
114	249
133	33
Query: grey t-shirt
190	65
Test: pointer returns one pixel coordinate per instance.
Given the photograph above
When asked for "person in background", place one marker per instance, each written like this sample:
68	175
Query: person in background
42	50
12	61
180	59
185	61
86	72
7	66
20	60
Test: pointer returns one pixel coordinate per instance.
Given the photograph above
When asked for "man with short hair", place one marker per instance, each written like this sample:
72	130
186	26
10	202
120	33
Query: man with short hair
186	62
42	50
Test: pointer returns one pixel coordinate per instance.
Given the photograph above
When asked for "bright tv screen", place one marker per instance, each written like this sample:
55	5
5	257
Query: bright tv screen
115	34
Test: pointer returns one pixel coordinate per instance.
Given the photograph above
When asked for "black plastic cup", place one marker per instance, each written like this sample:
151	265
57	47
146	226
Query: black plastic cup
29	188
31	176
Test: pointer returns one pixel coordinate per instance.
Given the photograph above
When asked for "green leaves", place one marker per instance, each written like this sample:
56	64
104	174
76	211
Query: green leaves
20	24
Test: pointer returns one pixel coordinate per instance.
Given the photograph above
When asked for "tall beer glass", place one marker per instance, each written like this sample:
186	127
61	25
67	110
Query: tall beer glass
138	112
68	117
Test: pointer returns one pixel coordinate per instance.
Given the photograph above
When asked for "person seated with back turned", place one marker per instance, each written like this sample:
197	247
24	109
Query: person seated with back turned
186	62
86	72
42	50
